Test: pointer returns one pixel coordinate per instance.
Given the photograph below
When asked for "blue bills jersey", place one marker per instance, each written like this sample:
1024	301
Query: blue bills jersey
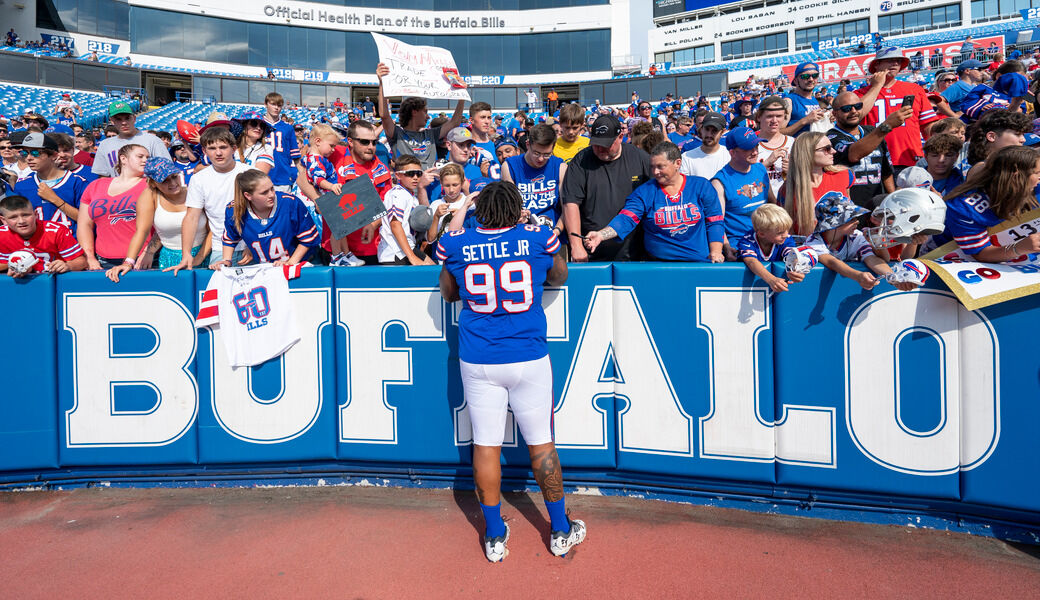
85	173
277	236
500	273
285	150
967	217
69	188
748	247
744	193
676	227
540	188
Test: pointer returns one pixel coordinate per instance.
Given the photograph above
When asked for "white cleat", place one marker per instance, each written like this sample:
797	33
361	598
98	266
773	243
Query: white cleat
495	547
560	543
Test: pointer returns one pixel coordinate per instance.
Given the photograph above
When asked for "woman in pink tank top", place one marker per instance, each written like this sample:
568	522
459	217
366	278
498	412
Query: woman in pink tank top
109	206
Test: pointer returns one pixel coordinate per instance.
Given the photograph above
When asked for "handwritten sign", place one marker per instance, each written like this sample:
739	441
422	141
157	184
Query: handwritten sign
978	285
356	205
423	71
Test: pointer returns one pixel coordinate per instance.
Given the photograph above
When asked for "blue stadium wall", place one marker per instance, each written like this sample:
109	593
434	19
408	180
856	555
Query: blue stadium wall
671	379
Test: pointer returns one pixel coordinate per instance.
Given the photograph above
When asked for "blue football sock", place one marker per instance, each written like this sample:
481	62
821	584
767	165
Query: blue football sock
558	515
494	526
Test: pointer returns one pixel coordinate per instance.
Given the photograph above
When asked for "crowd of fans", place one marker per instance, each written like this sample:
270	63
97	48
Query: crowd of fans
771	166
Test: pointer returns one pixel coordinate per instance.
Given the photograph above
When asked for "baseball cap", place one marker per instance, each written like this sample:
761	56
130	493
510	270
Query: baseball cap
505	140
771	102
914	177
743	138
714	119
605	129
38	141
119	108
971	63
1012	84
59	128
176	143
159	169
806	66
459	135
890	52
836	209
66	95
1031	139
498	117
421	218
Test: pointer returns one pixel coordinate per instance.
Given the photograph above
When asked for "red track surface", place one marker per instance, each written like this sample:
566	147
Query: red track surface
350	542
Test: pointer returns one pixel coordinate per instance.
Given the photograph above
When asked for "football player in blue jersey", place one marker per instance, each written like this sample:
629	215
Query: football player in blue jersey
275	226
538	174
681	215
54	192
282	143
498	270
990	196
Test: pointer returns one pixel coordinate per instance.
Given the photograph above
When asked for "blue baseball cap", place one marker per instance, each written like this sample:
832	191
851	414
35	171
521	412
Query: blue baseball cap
160	169
743	138
1012	84
806	66
1031	139
971	63
505	140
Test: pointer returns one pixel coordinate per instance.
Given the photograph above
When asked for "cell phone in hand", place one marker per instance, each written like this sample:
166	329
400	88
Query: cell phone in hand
908	100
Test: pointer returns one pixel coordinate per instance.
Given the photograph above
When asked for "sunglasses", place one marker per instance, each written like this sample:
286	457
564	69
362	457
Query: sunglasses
412	173
950	80
253	123
644	108
36	152
808	76
850	107
828	148
364	142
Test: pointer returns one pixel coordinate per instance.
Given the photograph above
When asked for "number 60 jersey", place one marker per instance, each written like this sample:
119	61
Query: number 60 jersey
500	273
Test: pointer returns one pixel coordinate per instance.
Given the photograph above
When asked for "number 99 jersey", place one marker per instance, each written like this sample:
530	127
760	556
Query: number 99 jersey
500	274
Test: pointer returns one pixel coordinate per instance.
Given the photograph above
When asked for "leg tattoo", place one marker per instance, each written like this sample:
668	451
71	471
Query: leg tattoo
546	467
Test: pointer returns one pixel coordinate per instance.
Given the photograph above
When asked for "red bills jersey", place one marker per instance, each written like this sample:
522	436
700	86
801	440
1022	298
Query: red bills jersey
52	241
347	169
904	143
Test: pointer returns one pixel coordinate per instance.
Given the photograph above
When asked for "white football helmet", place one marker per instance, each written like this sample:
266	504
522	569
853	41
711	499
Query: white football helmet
22	261
801	259
909	271
904	213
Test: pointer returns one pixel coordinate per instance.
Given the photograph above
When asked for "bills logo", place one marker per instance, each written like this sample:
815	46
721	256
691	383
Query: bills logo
918	269
677	220
751	190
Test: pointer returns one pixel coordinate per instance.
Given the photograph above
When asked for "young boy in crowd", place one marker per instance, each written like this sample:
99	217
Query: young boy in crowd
940	154
570	142
51	242
769	241
396	238
837	240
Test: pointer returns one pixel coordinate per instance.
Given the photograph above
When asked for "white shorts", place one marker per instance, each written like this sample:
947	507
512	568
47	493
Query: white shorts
526	387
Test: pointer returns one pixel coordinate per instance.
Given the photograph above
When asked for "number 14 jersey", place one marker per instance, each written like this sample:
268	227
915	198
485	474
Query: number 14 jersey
500	273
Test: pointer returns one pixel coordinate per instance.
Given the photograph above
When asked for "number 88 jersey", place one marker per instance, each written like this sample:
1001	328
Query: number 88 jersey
500	274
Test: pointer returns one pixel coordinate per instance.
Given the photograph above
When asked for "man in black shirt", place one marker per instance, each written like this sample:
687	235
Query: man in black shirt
598	180
862	148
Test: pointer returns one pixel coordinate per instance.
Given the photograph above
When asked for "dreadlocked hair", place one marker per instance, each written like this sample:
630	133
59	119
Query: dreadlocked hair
499	205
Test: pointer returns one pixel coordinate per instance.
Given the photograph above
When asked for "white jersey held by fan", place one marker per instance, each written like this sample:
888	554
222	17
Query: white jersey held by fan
253	309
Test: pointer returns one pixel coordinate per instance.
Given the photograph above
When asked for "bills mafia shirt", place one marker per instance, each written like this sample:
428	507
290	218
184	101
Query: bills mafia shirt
540	188
50	242
744	193
676	227
501	274
69	188
277	236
